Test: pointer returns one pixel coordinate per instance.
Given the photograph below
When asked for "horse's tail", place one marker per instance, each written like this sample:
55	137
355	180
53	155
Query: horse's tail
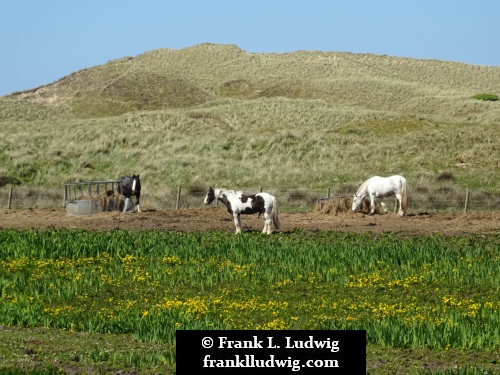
275	213
404	196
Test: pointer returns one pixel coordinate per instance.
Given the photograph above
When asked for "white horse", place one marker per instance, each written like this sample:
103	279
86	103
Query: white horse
238	203
381	187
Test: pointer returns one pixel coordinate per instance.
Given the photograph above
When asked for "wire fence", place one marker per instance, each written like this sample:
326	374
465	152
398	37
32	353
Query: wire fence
289	198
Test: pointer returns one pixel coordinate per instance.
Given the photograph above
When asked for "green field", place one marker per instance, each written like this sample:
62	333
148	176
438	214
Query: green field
73	300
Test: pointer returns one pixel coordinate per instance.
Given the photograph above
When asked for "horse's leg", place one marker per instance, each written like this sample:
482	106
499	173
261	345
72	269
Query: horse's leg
384	208
398	199
267	223
372	204
237	222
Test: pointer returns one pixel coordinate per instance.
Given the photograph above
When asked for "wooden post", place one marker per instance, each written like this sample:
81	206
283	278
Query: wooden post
178	197
328	192
10	199
466	207
64	198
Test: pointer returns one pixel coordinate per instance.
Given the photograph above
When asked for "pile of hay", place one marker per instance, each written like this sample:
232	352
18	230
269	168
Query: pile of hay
336	205
110	201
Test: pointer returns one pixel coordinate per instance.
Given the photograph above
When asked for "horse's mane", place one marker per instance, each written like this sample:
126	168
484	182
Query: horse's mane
218	192
363	187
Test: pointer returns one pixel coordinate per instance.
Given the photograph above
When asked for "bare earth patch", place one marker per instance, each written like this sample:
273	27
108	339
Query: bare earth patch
217	218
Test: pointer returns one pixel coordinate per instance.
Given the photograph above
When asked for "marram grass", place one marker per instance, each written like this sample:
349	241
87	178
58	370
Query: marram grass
218	115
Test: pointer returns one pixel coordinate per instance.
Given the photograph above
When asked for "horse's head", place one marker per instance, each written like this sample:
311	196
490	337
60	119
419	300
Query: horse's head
209	198
136	184
356	202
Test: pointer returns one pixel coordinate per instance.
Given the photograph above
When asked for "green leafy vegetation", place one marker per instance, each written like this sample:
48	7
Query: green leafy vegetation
432	294
490	97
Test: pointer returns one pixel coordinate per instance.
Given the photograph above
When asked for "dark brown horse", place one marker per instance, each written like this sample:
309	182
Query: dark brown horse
130	186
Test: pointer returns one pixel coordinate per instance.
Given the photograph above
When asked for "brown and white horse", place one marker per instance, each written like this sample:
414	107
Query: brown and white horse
238	203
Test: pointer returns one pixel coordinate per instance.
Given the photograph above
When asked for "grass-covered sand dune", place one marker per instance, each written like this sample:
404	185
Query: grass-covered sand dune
215	114
218	115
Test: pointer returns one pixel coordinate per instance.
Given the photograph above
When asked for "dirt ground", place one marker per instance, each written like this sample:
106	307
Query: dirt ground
217	218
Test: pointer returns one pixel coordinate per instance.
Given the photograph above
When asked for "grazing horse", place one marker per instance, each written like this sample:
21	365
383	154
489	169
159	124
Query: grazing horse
238	203
130	186
381	187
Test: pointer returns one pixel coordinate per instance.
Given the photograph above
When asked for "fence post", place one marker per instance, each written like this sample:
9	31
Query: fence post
466	207
10	199
327	192
178	197
64	198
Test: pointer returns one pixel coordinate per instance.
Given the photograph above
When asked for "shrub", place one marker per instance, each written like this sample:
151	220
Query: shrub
490	97
446	176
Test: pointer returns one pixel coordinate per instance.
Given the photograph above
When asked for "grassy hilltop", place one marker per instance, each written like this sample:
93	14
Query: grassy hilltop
215	114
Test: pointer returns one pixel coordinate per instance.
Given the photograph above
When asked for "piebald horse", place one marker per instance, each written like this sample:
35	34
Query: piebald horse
130	186
238	203
378	188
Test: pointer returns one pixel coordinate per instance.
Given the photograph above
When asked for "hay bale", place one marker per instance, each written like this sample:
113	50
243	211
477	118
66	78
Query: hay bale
110	201
334	205
343	205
